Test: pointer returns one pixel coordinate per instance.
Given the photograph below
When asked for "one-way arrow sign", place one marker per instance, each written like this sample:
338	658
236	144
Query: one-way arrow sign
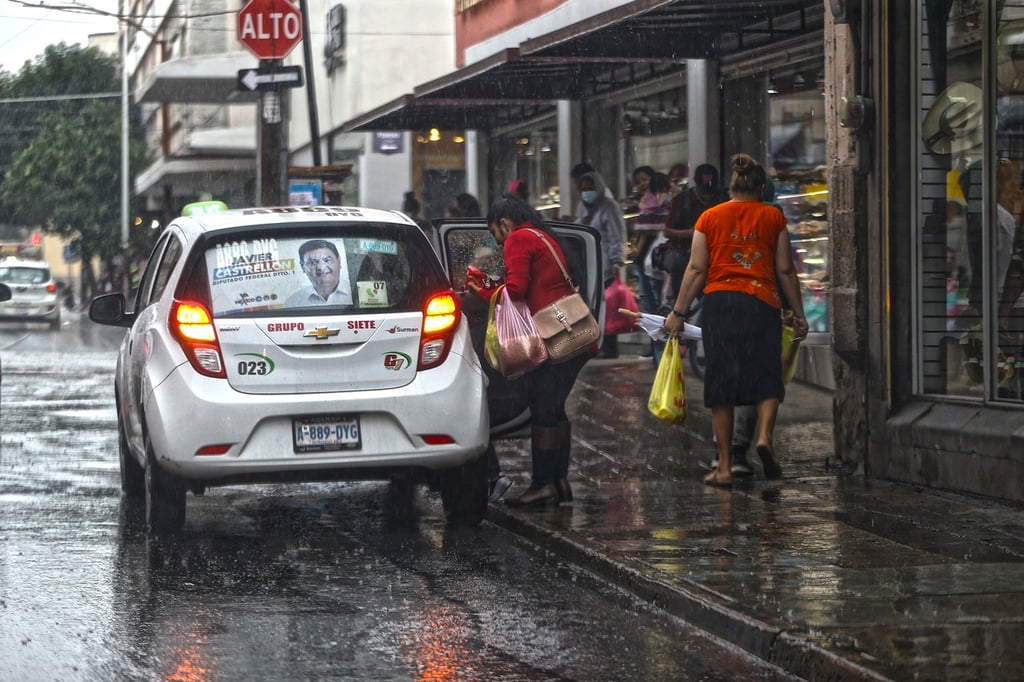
273	79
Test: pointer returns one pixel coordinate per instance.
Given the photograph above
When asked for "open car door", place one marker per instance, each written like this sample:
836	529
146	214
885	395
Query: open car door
463	242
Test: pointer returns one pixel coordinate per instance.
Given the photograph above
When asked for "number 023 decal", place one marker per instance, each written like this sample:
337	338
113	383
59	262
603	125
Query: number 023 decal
261	365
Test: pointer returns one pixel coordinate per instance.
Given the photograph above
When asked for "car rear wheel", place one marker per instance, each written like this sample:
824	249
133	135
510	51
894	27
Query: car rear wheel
464	493
165	497
133	476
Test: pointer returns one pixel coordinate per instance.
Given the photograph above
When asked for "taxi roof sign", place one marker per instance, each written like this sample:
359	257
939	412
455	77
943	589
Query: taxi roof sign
203	207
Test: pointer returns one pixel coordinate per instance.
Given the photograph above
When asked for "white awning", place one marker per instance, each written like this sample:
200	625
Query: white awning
210	78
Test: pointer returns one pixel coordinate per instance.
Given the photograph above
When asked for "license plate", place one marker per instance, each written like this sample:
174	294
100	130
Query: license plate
325	433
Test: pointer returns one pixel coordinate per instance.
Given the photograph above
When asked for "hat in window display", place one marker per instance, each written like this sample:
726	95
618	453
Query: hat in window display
953	124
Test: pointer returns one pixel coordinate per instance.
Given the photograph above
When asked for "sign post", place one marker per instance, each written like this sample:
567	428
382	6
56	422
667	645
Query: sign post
270	29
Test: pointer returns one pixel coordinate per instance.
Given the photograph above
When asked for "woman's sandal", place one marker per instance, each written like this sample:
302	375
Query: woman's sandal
713	479
768	462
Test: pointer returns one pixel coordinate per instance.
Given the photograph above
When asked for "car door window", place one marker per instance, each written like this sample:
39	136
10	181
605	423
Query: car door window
473	247
170	258
149	274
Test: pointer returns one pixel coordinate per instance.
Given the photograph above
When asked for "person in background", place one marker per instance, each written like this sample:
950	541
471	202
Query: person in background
533	276
684	210
604	215
679	176
577	172
464	205
519	188
411	207
652	189
741	257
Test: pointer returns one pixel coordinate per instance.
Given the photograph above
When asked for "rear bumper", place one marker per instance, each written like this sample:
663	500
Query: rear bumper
43	310
187	412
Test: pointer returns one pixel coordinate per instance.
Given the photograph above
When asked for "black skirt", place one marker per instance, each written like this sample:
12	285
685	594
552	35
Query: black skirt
742	349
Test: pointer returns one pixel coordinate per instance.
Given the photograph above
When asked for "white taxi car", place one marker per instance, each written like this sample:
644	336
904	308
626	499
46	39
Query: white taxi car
33	292
296	344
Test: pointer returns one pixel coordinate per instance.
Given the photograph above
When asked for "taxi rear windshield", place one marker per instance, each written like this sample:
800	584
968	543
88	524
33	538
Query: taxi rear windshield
358	269
17	275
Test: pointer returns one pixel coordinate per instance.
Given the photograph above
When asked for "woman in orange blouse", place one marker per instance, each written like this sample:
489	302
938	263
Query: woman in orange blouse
740	257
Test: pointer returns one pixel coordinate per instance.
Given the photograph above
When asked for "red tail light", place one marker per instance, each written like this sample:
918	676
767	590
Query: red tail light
192	325
441	317
51	287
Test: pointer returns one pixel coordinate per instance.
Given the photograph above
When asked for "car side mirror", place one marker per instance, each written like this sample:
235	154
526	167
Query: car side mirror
5	292
109	309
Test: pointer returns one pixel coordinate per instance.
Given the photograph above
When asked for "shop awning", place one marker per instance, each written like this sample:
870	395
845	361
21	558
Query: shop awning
625	46
210	78
421	113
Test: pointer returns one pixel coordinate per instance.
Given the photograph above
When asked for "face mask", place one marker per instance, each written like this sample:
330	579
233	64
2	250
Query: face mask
589	196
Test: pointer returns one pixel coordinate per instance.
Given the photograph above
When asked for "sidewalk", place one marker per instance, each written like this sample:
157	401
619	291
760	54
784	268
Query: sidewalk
839	578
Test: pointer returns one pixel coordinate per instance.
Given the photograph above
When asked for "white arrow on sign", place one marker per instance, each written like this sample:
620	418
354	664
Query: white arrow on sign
253	79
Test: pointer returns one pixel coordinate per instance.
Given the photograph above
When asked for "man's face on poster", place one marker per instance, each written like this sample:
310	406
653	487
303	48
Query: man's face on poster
322	268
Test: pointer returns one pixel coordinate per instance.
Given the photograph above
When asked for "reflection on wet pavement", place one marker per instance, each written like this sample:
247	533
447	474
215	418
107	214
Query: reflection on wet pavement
319	581
893	580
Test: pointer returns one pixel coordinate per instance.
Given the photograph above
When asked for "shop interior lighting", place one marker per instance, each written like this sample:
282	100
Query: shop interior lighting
435	135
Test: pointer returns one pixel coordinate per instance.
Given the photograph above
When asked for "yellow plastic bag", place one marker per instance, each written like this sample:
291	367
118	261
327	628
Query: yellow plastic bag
491	335
790	349
668	394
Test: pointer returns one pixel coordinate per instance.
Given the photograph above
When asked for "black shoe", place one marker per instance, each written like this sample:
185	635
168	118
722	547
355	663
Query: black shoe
564	490
536	497
768	462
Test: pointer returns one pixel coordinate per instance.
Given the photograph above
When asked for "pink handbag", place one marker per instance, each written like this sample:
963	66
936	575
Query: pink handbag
520	347
618	297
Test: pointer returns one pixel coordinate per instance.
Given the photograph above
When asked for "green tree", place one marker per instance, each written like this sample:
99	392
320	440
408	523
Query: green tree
63	166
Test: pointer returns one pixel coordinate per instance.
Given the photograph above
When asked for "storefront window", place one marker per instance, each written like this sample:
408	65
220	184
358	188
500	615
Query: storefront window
655	132
796	150
971	199
530	155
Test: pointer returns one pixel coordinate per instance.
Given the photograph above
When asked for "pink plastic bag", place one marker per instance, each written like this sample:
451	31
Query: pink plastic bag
520	347
616	296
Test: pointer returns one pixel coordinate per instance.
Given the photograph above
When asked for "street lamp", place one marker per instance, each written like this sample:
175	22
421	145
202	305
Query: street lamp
125	284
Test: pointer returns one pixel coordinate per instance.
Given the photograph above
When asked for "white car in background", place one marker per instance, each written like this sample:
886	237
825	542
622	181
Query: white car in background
232	372
34	296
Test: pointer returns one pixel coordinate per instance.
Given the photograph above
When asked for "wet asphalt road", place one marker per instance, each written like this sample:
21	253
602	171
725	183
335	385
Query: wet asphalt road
321	581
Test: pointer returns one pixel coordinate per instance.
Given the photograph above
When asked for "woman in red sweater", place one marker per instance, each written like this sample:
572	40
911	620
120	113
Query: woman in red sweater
740	257
532	275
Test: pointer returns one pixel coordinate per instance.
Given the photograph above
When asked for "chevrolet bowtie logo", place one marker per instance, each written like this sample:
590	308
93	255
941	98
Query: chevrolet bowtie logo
321	333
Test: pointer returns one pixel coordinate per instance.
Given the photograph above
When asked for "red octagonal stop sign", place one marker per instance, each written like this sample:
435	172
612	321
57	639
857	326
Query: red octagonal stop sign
270	28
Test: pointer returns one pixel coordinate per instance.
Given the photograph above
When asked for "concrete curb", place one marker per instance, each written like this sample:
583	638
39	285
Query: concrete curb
790	651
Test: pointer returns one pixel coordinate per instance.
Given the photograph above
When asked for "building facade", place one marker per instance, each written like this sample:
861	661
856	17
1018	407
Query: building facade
200	130
891	128
929	355
546	84
363	55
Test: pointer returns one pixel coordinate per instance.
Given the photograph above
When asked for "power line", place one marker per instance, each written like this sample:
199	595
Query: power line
59	98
